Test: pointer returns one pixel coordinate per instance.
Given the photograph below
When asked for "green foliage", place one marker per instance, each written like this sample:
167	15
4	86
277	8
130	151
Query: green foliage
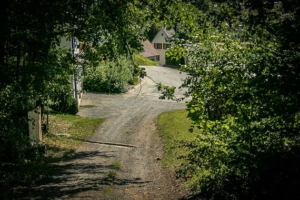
117	165
21	164
58	90
108	76
167	91
243	74
174	62
72	107
111	176
64	102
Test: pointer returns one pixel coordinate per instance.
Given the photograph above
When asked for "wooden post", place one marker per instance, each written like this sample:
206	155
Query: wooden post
35	125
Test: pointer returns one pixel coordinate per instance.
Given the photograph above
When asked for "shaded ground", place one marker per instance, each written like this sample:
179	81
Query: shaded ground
122	159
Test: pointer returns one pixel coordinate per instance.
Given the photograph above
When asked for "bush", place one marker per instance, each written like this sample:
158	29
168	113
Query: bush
174	62
72	107
65	103
60	94
109	76
21	164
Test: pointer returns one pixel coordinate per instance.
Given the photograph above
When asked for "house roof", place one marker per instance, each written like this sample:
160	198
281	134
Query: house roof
169	33
149	50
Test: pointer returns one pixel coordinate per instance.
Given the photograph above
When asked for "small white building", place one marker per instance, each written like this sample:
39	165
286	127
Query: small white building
161	44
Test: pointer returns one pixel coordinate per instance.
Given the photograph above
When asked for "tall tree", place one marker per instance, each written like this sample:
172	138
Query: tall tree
244	66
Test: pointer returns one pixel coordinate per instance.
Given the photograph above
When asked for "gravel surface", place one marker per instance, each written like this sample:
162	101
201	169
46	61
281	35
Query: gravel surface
122	159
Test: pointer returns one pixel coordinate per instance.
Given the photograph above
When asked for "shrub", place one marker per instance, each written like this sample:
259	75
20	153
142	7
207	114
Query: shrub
109	76
72	107
65	103
21	164
60	94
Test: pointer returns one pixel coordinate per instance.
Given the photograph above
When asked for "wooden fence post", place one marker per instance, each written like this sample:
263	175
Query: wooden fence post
35	125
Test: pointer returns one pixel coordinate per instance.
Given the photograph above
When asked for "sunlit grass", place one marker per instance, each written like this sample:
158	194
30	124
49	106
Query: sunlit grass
66	133
117	165
142	61
174	129
87	106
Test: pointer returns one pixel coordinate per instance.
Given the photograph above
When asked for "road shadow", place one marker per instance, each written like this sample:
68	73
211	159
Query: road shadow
80	173
172	66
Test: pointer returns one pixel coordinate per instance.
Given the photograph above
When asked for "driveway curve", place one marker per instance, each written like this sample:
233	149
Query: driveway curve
122	159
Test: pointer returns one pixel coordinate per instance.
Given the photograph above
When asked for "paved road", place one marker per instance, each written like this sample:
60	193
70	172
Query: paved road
128	138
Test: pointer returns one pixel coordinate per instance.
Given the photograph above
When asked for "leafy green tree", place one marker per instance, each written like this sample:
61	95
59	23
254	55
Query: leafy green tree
244	72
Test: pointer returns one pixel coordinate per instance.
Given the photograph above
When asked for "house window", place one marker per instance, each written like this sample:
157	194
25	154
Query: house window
167	46
157	45
157	58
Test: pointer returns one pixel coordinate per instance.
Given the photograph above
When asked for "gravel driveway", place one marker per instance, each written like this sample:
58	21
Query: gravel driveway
122	159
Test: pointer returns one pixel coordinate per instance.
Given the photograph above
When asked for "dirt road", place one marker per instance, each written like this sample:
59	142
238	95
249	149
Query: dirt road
122	159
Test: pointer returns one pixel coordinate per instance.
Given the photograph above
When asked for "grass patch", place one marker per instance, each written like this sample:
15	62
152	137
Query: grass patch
64	132
117	165
107	189
130	132
111	175
141	60
87	106
174	129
